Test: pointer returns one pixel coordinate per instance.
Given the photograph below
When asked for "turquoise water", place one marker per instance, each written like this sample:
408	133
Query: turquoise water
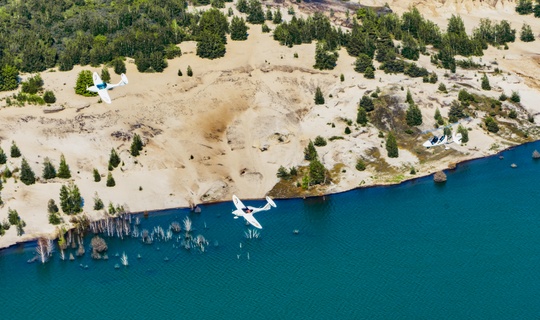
468	249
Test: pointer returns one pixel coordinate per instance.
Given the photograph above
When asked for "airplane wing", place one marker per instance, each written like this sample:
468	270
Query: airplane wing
97	79
249	218
237	203
104	95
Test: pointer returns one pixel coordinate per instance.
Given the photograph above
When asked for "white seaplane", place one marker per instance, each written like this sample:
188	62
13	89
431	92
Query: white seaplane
444	139
247	212
101	87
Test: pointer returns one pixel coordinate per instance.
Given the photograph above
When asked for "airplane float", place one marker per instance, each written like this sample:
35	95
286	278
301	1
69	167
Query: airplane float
247	212
438	141
102	87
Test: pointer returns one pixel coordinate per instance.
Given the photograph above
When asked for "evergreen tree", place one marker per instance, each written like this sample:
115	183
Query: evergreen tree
413	115
269	15
324	59
105	75
33	85
13	217
265	28
27	175
524	7
97	176
319	98
52	207
84	80
15	152
391	146
238	29
189	71
536	9
255	12
119	65
367	103
491	125
310	153
7	172
110	180
63	169
114	159
363	62
210	46
242	6
9	78
438	117
3	157
369	73
317	172
456	112
409	98
277	17
49	172
515	97
527	34
136	145
361	116
70	199
485	83
98	203
464	134
49	97
442	87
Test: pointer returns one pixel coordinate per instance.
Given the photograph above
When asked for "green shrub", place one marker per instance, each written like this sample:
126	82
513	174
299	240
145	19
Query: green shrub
319	141
15	152
319	98
515	97
360	164
189	71
49	97
110	180
97	176
347	130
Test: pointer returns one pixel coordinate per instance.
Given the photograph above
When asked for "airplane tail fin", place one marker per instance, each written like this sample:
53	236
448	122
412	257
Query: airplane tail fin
124	80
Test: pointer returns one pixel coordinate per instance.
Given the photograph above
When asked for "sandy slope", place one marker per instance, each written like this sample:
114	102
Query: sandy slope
226	130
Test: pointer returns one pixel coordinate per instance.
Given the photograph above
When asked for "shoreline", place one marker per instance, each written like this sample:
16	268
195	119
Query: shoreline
150	211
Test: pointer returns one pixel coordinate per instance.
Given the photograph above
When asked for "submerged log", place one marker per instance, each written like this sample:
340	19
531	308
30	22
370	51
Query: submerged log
439	177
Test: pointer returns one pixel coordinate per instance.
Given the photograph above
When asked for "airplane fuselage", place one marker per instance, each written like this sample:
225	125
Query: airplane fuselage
96	88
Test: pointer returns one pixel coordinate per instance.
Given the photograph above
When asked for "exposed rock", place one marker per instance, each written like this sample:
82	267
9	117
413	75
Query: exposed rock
439	177
536	155
51	109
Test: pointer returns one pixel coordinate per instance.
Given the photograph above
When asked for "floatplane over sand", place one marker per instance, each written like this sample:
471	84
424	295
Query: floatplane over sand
442	140
247	212
102	87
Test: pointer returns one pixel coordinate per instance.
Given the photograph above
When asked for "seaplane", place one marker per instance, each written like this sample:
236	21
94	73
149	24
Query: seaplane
101	87
443	140
247	211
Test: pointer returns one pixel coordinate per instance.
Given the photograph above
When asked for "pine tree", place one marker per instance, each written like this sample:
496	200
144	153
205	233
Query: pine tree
136	145
363	62
391	146
3	157
114	159
413	115
49	97
361	116
319	98
317	172
64	199
324	59
97	176
49	172
409	98
110	180
70	199
369	73
310	153
255	12
189	71
485	83
15	152
491	125
367	103
105	75
527	34
98	203
438	117
464	134
242	6
277	17
119	66
238	29
63	169
27	175
442	87
84	80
